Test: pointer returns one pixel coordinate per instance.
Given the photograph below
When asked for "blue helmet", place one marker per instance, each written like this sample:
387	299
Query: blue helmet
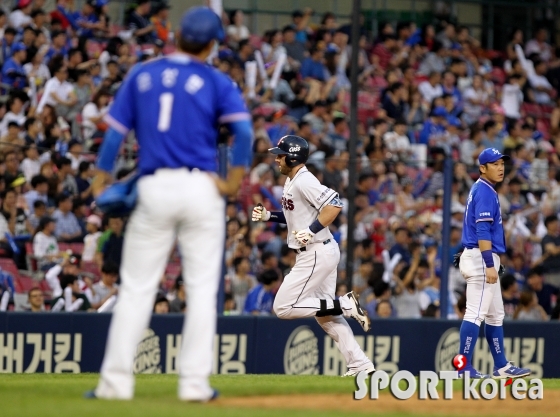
201	25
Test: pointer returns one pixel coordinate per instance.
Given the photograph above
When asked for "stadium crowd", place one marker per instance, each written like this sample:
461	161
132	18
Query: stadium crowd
426	94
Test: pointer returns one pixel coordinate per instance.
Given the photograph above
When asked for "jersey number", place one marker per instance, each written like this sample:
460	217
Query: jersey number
287	204
165	107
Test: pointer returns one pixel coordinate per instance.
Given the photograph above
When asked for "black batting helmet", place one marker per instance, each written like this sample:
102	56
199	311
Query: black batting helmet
294	147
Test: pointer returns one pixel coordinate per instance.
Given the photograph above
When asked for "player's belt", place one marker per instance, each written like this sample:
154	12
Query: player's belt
303	249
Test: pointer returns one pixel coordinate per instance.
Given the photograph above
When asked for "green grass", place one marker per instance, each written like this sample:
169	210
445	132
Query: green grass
45	395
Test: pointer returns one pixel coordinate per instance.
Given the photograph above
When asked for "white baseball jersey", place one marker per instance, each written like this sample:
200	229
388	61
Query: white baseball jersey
303	199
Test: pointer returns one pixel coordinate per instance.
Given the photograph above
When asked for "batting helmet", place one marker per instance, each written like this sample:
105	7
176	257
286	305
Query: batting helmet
294	147
201	25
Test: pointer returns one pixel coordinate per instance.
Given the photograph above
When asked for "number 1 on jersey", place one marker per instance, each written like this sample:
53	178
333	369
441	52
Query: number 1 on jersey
165	107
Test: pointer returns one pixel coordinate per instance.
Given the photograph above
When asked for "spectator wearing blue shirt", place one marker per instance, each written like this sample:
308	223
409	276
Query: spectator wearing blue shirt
449	86
402	240
491	138
6	44
313	67
67	227
87	20
434	126
12	71
58	46
260	299
300	20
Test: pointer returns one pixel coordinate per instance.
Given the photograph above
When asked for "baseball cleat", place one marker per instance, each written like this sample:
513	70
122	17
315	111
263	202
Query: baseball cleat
510	371
353	372
473	373
358	313
214	396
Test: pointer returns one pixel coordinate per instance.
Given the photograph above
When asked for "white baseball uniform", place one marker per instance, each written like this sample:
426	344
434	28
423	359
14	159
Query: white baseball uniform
310	286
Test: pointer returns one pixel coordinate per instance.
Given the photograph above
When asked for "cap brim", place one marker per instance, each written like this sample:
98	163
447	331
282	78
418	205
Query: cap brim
277	151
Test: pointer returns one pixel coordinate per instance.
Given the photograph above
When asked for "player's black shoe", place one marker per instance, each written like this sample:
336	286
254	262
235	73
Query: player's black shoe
358	313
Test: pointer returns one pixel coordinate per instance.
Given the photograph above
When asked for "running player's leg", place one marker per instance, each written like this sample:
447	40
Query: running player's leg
295	298
201	239
148	241
338	328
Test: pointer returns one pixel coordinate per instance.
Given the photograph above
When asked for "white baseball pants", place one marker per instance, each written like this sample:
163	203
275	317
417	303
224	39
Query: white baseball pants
484	301
312	279
172	203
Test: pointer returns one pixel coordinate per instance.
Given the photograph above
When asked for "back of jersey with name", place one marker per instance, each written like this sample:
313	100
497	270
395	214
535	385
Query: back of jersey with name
170	102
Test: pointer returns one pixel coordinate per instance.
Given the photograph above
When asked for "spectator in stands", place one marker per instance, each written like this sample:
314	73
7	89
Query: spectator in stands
545	292
36	300
434	61
12	163
407	296
45	245
107	286
300	22
93	113
383	52
381	292
3	25
10	143
261	298
529	308
15	215
75	155
20	18
241	281
295	50
551	247
67	226
39	211
15	113
7	43
111	242
30	166
59	46
161	305
13	73
510	295
66	177
68	280
237	31
179	303
316	118
40	187
431	88
93	226
539	45
87	20
139	24
491	137
58	92
313	67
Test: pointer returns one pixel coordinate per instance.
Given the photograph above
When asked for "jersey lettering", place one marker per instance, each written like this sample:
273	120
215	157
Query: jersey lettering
287	204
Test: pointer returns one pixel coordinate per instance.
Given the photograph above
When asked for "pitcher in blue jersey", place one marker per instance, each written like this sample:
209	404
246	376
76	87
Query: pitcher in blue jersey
483	240
175	105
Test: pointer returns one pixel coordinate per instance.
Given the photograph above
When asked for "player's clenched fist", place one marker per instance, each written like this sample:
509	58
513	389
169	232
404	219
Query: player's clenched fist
304	236
260	214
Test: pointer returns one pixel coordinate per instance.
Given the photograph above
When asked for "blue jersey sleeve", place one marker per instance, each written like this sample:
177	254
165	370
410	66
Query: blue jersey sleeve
231	106
483	206
122	112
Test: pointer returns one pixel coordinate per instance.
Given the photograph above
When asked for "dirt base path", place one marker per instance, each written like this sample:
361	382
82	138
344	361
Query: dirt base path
548	406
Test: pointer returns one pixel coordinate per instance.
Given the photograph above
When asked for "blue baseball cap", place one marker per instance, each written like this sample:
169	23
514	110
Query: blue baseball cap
18	46
439	111
491	155
201	25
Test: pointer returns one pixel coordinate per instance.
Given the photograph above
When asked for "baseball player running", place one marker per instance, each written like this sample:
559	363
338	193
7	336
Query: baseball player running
175	105
308	208
483	240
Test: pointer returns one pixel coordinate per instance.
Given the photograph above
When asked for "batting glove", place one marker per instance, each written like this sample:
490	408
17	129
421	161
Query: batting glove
260	214
304	236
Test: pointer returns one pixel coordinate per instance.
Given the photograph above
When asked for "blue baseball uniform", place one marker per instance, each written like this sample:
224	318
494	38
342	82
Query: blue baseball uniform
175	105
483	222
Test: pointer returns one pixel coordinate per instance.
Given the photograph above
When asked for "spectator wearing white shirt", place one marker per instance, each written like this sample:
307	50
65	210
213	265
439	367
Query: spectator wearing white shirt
512	97
93	225
237	31
107	286
58	93
536	71
30	166
93	113
15	114
37	70
20	17
397	142
539	45
74	153
431	89
45	245
476	100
